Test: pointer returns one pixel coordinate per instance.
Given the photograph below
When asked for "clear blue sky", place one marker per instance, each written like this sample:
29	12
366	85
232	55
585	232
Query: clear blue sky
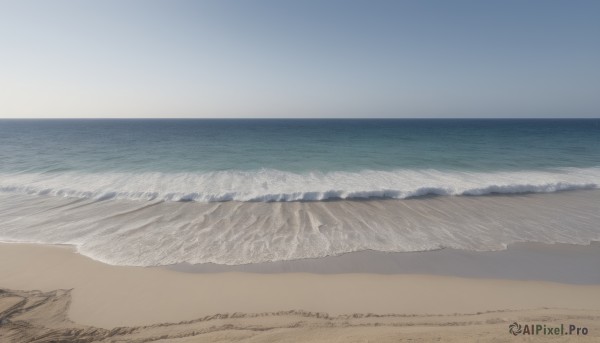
299	58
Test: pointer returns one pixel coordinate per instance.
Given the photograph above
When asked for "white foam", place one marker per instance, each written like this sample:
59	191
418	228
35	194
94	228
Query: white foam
274	185
148	233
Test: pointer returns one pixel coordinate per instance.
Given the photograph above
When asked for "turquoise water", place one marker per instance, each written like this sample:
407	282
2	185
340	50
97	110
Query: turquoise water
296	145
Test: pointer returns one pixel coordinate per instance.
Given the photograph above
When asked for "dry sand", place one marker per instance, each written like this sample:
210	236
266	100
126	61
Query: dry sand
42	317
73	297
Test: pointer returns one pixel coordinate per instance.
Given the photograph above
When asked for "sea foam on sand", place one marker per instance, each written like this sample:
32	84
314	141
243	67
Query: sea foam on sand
154	233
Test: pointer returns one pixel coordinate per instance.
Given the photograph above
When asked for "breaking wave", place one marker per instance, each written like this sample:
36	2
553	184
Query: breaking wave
269	185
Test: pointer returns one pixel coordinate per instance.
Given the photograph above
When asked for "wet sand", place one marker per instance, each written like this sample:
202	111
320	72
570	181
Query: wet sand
564	263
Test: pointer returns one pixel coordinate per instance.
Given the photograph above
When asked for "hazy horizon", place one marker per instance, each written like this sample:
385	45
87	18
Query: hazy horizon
296	118
310	59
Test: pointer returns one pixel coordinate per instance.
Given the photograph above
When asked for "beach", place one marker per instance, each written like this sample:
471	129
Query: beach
347	230
140	302
299	171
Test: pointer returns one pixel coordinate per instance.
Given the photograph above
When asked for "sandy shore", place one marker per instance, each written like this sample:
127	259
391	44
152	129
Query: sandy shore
83	295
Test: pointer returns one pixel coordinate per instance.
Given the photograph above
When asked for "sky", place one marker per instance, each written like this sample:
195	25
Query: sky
304	58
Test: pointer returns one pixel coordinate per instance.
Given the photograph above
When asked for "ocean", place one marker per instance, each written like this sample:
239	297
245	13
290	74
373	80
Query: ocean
156	192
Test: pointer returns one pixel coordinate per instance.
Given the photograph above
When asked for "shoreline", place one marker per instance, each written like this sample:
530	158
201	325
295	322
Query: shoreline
111	296
526	261
162	233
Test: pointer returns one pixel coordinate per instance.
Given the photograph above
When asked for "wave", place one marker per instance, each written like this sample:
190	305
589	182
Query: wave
269	185
138	233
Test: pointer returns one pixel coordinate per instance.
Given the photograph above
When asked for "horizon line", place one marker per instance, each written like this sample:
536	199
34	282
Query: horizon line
286	118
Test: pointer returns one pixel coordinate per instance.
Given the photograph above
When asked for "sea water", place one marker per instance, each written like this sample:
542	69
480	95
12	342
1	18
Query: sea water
51	169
